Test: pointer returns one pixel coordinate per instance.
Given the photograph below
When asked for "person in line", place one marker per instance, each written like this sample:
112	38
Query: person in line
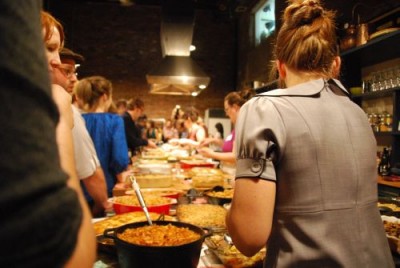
195	131
215	141
169	131
120	106
94	97
87	163
151	130
220	131
133	134
232	103
305	188
141	124
36	232
53	37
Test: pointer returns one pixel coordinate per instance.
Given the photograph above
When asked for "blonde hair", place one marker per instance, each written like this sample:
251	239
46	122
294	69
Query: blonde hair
306	42
88	91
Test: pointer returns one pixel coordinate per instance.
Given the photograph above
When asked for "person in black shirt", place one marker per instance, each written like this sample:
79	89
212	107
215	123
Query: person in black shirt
133	133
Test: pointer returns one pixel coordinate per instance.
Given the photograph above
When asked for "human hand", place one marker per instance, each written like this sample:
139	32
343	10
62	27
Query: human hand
151	144
206	142
121	185
205	151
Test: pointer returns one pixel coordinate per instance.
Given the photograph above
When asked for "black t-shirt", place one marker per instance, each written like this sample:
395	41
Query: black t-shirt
39	215
133	134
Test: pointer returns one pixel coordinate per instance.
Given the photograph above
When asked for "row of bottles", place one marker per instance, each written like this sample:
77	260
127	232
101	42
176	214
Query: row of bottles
380	122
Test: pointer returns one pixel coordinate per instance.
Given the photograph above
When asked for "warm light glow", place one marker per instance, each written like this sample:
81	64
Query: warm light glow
202	86
184	78
192	48
194	94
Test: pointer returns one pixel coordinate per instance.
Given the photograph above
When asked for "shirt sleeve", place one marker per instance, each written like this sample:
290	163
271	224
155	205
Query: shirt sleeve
119	156
260	139
85	154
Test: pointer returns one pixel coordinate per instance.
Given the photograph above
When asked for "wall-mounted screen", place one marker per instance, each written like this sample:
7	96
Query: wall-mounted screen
264	17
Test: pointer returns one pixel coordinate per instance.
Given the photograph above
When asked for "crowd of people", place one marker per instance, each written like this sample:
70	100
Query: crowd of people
69	146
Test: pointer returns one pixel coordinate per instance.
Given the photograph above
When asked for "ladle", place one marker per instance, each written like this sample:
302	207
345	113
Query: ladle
139	196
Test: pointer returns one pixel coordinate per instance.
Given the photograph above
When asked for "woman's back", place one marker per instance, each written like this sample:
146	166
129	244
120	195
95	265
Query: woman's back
108	134
326	178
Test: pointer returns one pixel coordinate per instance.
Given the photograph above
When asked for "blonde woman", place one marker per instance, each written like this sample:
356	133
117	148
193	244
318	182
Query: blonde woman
94	98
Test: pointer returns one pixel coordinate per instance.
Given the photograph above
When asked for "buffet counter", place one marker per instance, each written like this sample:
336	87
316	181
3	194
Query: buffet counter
201	193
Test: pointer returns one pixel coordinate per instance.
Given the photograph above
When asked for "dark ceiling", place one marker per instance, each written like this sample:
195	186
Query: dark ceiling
230	9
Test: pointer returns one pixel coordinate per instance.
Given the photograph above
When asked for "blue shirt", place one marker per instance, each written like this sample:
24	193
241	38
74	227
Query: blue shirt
108	134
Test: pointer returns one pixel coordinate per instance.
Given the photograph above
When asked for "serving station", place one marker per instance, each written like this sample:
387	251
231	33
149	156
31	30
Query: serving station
179	189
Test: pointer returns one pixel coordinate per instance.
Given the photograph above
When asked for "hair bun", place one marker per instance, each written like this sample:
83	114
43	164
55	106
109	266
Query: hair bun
303	12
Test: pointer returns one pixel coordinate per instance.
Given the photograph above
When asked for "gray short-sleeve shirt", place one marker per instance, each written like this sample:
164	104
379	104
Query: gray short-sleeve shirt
318	147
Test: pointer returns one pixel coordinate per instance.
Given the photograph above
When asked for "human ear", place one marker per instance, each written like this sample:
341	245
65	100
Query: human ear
281	69
336	67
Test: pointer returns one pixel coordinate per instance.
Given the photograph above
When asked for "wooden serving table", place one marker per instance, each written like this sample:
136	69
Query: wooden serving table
388	187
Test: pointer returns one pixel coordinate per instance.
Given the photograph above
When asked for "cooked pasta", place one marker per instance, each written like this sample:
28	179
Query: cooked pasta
227	193
150	200
159	235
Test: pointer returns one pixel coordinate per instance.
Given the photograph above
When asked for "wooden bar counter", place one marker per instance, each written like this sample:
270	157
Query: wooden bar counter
388	187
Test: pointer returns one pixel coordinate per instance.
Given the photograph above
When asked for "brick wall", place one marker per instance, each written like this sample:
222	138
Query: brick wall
122	43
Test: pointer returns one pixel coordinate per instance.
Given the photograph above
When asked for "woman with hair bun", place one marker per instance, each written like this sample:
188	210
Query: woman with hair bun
94	97
306	180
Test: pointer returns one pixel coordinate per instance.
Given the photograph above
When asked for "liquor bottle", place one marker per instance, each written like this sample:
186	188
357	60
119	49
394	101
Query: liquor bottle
384	165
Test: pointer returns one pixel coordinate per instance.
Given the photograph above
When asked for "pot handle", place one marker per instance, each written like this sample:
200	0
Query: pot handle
208	231
109	233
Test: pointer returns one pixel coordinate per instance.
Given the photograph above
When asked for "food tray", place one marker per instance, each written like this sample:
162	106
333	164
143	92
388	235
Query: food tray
120	206
166	192
203	215
394	240
154	180
154	168
219	197
230	255
389	206
186	164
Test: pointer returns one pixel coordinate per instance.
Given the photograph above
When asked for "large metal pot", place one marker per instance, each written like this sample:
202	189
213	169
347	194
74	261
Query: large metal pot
132	255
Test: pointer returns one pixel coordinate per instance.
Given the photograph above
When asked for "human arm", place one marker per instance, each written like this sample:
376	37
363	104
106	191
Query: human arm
88	166
119	151
221	156
212	140
84	253
259	136
249	220
96	186
151	144
133	134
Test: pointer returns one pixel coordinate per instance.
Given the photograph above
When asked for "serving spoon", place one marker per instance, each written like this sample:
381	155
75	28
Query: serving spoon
139	196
